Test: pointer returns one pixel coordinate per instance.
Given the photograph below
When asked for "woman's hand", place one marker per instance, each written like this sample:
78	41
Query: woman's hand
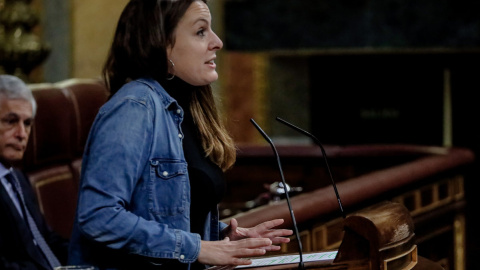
228	252
262	230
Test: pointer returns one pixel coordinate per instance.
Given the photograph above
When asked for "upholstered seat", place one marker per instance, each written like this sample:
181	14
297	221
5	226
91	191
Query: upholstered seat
66	111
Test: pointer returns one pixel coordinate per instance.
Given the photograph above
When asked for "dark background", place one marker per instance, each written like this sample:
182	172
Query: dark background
393	93
290	24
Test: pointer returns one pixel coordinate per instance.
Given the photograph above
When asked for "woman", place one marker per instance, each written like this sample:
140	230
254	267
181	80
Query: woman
153	164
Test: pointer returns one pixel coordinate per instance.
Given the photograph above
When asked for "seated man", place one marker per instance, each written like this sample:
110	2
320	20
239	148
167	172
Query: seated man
26	242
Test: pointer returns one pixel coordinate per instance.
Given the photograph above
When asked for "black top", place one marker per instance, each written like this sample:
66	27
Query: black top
206	178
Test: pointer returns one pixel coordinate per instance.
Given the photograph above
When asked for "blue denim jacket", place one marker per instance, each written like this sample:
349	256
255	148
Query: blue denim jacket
134	197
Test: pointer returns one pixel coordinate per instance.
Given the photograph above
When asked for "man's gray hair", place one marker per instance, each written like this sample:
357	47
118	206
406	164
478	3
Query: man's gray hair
12	87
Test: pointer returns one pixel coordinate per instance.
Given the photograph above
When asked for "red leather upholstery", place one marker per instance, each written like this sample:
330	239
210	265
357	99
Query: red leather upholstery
66	111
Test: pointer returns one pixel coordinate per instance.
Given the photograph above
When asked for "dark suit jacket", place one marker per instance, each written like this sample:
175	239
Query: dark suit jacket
17	250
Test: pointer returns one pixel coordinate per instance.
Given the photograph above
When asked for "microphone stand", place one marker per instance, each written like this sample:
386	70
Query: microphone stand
297	234
317	142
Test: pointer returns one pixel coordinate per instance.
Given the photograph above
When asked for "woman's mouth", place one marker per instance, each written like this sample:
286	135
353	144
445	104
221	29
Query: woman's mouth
211	63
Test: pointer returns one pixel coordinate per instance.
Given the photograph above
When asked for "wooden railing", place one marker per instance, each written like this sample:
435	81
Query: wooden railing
428	181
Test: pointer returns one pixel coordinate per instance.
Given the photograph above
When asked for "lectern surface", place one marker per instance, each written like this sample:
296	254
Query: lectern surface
327	264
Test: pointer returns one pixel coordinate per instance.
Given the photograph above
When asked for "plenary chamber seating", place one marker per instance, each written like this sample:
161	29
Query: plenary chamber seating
65	112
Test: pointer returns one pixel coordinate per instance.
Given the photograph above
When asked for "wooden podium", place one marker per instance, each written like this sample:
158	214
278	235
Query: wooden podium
382	234
380	237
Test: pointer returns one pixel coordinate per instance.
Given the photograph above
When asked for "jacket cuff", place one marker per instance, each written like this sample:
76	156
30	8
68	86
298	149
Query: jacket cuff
187	246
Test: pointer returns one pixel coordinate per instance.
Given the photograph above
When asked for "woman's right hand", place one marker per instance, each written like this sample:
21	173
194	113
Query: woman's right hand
228	252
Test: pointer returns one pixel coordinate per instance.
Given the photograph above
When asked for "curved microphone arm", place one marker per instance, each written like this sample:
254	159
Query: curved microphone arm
317	142
297	234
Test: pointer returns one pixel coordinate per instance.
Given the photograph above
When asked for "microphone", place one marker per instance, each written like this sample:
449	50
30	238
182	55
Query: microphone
324	157
300	249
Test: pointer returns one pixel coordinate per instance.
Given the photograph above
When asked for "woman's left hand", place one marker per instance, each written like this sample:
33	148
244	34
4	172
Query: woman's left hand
262	230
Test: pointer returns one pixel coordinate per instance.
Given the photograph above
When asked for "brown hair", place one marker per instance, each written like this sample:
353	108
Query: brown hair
144	31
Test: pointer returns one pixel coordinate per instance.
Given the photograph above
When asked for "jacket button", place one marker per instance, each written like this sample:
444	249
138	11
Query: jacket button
180	136
182	257
179	111
165	173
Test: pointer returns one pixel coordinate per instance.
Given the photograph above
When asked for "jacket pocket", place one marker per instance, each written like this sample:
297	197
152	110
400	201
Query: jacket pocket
168	188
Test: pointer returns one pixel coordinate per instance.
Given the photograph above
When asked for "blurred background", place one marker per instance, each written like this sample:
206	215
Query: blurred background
351	72
396	71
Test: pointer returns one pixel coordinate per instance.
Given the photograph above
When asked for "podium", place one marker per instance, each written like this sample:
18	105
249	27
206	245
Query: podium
380	237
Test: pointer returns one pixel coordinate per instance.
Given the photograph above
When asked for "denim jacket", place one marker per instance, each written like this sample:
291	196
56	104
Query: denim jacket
134	197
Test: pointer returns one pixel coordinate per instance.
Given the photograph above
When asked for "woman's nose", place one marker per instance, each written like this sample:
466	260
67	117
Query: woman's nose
217	42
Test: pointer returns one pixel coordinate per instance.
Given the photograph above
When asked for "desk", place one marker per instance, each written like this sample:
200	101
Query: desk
423	264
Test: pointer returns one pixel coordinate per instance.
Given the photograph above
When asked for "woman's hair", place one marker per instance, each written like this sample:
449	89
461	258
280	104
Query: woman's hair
12	87
139	49
216	141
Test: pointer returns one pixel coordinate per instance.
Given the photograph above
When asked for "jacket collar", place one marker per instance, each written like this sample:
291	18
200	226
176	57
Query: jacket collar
155	86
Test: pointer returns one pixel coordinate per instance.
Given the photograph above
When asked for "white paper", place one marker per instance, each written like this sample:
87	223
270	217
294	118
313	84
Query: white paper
277	260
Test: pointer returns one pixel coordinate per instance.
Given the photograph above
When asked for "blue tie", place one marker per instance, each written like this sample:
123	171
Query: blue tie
38	238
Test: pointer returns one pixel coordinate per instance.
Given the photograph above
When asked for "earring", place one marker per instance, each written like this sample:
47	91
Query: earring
173	67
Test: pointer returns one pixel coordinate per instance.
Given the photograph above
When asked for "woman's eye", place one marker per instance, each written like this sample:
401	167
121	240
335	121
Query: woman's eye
201	32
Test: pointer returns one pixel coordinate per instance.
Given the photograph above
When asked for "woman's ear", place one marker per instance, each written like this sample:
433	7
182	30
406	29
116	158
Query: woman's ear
169	51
